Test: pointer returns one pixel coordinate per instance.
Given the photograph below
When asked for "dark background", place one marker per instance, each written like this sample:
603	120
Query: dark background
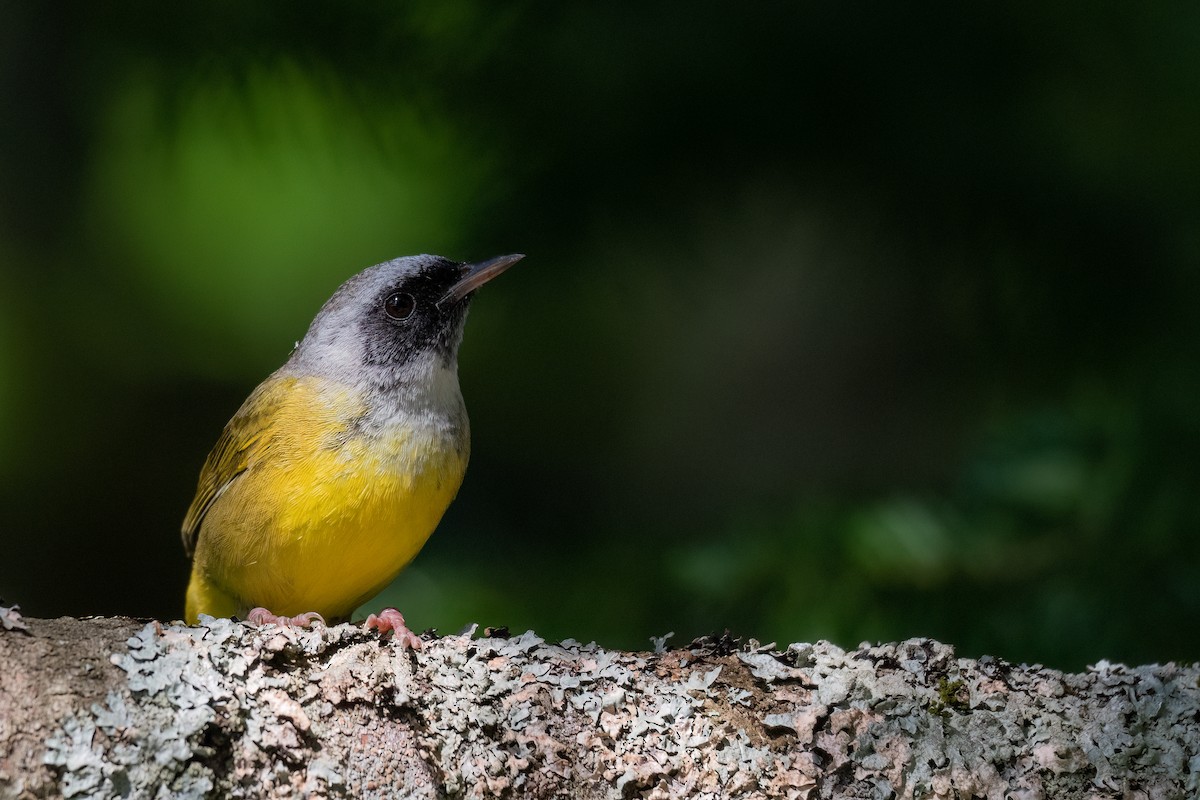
838	320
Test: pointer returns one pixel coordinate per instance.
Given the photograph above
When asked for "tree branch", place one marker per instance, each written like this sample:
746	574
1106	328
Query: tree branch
117	707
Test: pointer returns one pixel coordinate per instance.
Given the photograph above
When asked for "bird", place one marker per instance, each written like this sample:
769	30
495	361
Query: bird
333	473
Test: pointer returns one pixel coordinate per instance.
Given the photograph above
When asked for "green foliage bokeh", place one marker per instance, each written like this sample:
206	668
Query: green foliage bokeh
836	322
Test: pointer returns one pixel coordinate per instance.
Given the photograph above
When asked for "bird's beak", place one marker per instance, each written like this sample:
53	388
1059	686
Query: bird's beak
477	274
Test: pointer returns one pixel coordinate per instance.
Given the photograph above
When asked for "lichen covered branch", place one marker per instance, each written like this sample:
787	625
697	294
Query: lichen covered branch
105	708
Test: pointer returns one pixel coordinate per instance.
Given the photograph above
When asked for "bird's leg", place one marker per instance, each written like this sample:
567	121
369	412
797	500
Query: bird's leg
261	616
392	620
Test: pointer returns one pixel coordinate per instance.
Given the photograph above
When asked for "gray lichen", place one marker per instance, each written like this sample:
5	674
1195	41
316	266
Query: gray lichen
10	619
226	709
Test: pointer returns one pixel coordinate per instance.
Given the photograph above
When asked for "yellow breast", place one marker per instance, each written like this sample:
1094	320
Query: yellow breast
335	500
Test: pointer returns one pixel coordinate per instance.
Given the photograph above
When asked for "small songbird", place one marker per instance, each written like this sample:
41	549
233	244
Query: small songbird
334	472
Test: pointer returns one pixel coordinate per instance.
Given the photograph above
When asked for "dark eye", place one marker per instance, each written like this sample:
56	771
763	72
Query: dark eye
399	305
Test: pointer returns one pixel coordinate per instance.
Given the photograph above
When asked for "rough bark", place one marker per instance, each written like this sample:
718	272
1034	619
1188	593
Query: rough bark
126	708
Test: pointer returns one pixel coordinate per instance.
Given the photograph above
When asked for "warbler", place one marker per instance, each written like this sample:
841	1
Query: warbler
334	472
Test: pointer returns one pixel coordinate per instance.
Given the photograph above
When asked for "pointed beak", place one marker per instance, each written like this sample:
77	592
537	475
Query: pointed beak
477	274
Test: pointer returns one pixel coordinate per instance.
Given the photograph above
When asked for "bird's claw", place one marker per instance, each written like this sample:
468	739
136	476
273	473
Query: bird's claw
389	619
262	616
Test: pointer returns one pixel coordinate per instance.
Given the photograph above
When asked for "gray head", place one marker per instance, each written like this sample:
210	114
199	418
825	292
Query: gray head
395	322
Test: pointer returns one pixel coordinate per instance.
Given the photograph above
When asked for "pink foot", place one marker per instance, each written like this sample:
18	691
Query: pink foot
392	620
261	616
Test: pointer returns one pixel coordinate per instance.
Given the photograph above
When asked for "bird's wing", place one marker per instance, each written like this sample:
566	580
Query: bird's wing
243	436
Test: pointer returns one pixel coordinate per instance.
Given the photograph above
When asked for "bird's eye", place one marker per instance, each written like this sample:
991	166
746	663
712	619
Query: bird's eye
399	305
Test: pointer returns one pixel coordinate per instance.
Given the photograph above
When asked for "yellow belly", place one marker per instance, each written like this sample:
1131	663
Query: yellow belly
323	529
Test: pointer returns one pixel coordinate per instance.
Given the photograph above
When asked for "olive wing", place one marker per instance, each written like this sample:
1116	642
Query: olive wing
234	452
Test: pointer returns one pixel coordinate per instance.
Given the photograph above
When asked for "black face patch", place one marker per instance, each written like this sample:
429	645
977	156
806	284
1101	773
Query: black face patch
393	339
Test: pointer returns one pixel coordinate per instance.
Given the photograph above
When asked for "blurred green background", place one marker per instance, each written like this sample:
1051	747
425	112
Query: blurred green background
839	320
